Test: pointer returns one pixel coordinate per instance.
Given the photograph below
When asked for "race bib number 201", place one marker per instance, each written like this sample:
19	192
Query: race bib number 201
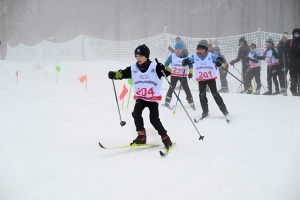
205	75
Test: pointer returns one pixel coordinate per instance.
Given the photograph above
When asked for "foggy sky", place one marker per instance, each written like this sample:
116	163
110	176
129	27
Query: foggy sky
31	21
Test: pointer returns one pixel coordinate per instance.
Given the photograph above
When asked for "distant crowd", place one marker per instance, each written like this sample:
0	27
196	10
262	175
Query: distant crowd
281	59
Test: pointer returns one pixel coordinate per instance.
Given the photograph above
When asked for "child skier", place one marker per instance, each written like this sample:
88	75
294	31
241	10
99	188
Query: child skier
222	71
146	78
205	73
271	57
179	73
255	67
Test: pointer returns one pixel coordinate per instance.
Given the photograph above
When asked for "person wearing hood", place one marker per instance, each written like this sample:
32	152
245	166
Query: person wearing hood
179	73
293	47
205	73
283	63
223	72
185	50
243	53
271	57
146	78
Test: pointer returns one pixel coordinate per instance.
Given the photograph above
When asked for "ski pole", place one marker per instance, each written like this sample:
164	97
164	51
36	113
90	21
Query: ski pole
241	77
201	137
174	112
284	74
122	123
236	69
232	74
195	82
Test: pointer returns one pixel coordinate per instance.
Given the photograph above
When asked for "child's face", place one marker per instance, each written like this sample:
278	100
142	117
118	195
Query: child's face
140	59
201	51
178	51
216	52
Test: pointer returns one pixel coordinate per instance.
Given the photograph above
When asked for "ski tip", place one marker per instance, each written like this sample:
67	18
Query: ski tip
161	153
101	146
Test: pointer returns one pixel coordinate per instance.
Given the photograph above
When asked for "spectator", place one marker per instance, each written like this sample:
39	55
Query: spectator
293	47
185	50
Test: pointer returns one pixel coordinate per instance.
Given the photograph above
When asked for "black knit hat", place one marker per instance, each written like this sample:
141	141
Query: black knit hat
142	50
242	39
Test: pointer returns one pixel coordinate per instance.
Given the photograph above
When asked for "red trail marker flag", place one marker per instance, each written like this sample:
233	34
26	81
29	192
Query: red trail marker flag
82	79
123	93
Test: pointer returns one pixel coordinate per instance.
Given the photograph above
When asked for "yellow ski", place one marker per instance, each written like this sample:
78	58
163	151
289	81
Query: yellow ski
129	146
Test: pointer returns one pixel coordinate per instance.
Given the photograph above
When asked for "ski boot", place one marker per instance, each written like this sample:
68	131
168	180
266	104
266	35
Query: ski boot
243	92
275	93
257	92
167	101
205	111
224	90
268	93
283	92
224	110
166	140
193	106
141	138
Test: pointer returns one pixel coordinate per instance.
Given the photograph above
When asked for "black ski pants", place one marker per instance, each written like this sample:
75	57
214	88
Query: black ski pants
247	77
256	74
213	88
223	74
272	73
282	72
184	85
139	106
295	77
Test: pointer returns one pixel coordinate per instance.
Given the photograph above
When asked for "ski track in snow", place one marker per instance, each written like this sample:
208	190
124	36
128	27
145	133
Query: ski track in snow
50	133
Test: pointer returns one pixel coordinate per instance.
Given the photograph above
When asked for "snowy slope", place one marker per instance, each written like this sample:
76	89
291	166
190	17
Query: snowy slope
50	133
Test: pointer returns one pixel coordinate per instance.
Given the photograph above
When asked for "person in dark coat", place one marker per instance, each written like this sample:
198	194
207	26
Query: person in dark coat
283	63
293	47
243	52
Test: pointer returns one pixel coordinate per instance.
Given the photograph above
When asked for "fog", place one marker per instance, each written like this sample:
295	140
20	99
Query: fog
31	21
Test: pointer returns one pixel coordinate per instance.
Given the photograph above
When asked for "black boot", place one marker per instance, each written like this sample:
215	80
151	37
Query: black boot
167	101
141	138
205	111
275	93
268	93
166	140
224	110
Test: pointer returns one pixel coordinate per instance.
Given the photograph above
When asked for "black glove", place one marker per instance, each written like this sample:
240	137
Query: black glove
190	75
219	61
232	62
255	56
185	62
111	74
160	66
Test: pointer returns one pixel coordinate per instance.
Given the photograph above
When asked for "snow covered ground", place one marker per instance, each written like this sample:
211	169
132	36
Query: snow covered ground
50	133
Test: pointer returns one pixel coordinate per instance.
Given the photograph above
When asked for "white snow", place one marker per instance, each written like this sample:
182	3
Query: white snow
50	133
